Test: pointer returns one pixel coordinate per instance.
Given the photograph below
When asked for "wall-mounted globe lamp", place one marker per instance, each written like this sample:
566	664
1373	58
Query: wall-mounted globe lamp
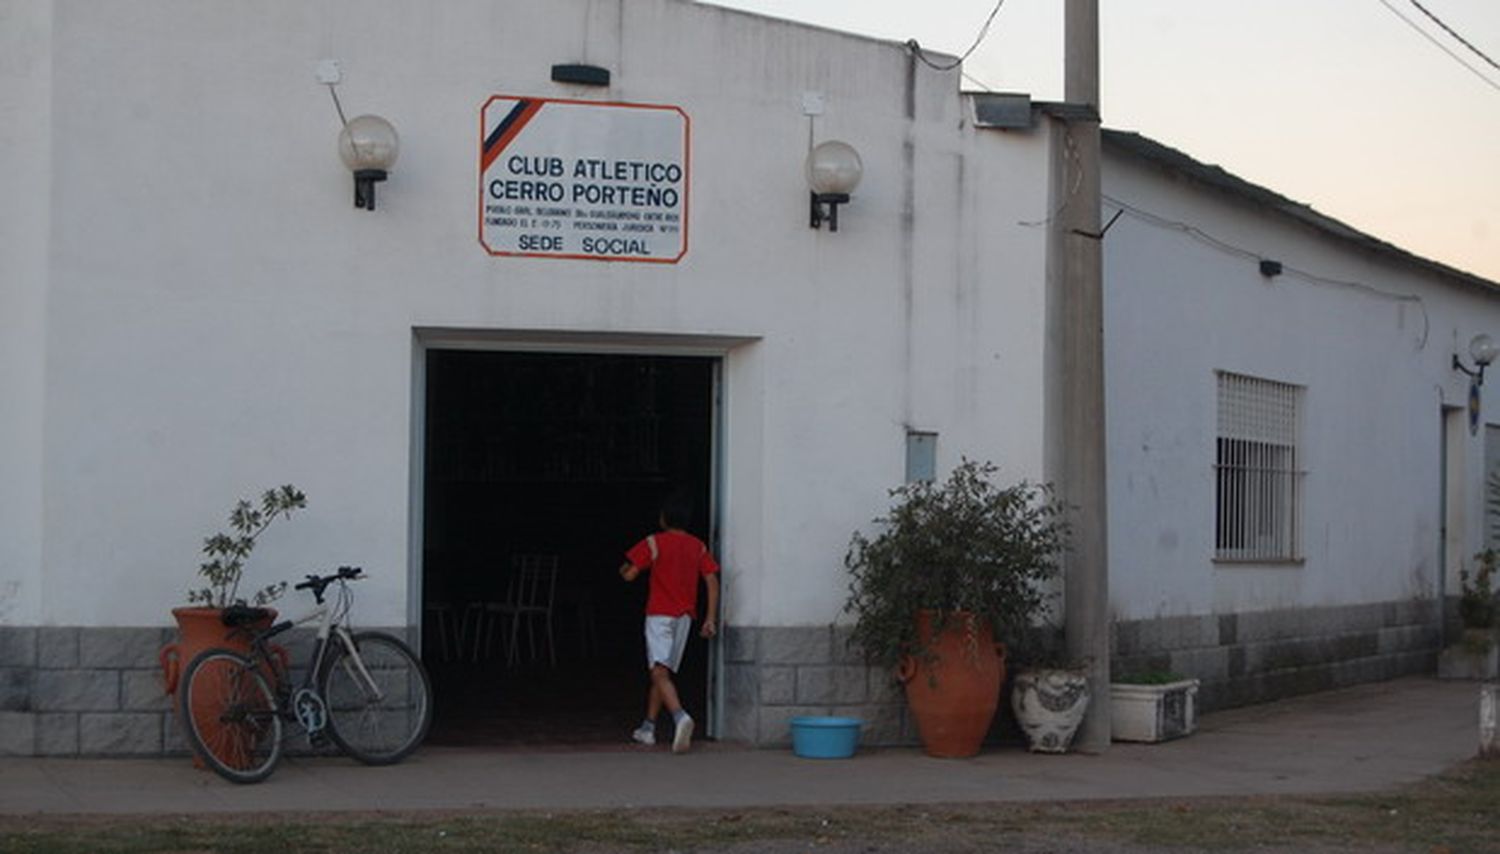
833	171
1483	351
368	145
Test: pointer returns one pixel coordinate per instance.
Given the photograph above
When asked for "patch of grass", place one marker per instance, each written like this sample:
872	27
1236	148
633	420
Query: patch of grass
1457	812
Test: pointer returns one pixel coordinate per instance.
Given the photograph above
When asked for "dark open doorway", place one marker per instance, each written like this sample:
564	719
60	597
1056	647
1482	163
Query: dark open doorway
541	459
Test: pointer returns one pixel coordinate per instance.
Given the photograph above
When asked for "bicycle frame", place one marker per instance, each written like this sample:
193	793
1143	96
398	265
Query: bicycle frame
305	705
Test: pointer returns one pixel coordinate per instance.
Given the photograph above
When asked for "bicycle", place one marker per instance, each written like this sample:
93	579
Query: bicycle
367	692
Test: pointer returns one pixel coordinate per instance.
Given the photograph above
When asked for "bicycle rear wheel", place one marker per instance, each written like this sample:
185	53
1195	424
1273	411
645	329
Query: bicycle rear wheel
381	717
229	713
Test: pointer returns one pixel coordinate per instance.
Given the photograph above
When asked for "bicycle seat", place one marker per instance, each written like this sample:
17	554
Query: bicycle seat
244	616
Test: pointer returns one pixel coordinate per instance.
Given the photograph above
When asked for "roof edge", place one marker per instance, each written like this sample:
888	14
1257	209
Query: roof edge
1143	148
900	44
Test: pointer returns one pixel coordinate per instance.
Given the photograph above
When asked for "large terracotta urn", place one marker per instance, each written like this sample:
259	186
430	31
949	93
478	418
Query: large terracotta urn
954	690
200	628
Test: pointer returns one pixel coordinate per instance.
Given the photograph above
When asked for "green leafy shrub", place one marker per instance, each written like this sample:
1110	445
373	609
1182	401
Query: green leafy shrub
226	552
964	545
1477	606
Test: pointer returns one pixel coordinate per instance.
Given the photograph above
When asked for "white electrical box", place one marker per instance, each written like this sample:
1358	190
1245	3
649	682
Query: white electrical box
329	72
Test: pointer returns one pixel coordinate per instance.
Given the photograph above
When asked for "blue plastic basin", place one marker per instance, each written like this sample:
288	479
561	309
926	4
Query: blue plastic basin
825	737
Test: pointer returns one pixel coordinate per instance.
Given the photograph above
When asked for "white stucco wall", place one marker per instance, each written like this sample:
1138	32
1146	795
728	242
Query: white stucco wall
219	319
1368	337
25	135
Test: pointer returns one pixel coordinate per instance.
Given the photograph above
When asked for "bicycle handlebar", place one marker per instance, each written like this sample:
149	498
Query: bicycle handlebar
316	583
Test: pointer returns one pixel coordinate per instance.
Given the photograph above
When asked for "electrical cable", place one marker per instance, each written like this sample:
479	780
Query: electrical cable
977	82
1452	32
336	105
1439	45
344	602
916	49
1239	252
1070	151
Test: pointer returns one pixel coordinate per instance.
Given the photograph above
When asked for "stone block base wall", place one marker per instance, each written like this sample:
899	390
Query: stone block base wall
773	674
84	692
1255	657
96	691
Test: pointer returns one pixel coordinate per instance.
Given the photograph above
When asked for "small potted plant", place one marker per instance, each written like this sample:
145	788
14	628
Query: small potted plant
1477	655
200	625
1050	693
954	567
1152	706
1477	606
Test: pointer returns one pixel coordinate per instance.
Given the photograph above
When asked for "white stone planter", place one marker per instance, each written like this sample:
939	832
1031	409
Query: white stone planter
1049	704
1153	712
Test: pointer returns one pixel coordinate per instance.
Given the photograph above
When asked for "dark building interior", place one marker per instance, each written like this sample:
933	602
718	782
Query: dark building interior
541	470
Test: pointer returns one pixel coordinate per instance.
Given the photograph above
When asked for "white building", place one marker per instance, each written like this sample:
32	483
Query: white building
192	311
1295	473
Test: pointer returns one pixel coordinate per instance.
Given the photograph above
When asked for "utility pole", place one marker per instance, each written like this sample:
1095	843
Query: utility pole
1076	369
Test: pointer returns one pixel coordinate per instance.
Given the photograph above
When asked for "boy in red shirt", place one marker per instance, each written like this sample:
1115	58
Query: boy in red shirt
676	560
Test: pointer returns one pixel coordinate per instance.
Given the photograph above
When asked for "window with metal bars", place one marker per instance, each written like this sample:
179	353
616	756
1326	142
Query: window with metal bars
1257	471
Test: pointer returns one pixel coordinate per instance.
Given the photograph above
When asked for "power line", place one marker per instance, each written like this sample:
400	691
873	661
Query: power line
977	82
1439	45
1227	248
916	49
1452	32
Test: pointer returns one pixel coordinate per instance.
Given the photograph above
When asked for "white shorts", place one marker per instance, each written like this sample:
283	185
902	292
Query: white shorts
666	639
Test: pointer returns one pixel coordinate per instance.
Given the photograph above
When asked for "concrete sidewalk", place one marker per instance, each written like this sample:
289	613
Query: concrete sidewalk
1359	739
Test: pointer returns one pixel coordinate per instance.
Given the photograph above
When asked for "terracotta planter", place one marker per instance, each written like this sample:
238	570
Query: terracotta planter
199	629
953	697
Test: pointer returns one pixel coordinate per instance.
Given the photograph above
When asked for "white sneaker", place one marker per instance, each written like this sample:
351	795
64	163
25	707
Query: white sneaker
682	739
644	735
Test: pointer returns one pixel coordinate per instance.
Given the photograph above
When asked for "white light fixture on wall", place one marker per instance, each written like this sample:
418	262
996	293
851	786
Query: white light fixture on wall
833	171
1483	351
368	145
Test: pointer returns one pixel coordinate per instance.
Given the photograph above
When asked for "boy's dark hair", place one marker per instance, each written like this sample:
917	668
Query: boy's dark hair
676	511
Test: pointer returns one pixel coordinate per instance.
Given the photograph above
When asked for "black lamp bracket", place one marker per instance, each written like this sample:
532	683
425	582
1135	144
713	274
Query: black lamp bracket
825	206
1476	375
364	187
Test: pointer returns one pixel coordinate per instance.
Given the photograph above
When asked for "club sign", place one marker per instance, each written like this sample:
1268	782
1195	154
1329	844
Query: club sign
583	179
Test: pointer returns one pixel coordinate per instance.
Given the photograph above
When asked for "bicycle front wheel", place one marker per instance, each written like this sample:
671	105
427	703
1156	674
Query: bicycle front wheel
379	699
229	713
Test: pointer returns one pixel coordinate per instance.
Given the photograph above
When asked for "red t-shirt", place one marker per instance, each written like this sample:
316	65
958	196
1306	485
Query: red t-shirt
675	565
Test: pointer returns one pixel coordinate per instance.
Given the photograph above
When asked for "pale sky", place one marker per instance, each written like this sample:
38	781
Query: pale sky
1334	103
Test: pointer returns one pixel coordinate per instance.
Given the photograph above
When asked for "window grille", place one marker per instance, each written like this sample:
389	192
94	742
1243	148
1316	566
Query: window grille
1257	474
